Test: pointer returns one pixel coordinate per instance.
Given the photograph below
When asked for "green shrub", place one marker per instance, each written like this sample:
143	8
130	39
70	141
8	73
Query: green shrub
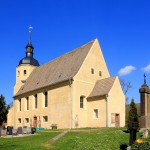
141	146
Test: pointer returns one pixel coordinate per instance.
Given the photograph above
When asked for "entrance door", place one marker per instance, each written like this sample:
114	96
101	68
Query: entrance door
117	120
34	121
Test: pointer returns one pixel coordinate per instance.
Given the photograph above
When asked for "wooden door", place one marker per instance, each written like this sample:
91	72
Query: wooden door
34	121
117	120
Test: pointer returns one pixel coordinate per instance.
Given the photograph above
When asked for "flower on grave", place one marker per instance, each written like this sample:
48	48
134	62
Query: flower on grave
139	141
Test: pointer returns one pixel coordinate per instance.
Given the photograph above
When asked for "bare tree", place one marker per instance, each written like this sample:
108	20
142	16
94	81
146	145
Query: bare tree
126	86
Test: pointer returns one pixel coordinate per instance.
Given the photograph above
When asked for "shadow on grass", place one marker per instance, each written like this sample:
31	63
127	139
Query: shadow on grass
13	146
123	146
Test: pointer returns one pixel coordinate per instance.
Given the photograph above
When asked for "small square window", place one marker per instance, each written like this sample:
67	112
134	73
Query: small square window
26	120
19	120
95	113
45	118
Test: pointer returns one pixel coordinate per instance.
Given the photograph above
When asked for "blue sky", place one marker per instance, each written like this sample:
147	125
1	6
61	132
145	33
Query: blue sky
121	26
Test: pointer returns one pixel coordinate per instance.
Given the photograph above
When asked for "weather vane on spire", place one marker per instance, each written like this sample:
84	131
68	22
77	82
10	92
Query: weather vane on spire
144	78
30	31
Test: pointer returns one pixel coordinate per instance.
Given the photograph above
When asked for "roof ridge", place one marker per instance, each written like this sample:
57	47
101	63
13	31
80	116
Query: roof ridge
57	70
69	52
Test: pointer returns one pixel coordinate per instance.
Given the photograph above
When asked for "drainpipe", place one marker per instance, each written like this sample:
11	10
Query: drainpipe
106	98
14	113
70	85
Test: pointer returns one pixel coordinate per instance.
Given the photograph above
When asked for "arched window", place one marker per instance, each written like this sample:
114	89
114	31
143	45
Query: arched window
46	99
25	72
27	99
35	101
81	101
19	104
100	73
18	73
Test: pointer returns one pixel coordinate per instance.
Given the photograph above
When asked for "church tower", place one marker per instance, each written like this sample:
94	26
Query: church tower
144	105
26	65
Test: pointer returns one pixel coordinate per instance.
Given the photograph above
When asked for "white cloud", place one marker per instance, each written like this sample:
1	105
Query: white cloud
126	70
146	69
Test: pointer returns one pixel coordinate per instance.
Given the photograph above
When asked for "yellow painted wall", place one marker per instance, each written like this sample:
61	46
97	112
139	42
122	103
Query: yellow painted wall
84	82
100	105
20	76
64	100
58	110
116	103
10	116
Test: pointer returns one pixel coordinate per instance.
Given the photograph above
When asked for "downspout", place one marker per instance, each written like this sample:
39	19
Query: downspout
14	114
106	109
70	85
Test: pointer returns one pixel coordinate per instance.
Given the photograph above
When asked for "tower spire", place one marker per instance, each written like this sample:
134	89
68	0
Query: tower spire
30	31
144	78
29	47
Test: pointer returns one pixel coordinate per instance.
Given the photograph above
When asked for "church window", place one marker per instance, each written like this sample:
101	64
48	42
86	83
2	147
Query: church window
46	99
27	99
100	73
92	71
19	104
81	102
95	113
26	120
45	118
19	120
36	101
25	72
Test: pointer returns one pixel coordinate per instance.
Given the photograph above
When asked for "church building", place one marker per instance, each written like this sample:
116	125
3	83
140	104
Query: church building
72	91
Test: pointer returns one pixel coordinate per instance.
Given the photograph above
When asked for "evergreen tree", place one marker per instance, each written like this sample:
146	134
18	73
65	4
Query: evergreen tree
3	110
133	112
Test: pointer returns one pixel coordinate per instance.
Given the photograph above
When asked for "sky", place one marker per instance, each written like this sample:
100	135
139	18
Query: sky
122	28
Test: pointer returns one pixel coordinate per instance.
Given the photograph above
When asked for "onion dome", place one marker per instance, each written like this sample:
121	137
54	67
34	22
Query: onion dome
29	53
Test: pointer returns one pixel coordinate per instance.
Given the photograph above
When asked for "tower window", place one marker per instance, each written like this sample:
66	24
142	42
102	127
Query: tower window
19	104
92	71
100	73
18	73
25	71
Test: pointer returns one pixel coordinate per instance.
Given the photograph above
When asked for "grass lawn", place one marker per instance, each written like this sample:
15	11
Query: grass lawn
89	139
99	139
34	142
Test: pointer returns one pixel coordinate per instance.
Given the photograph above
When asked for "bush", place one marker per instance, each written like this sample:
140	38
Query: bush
141	146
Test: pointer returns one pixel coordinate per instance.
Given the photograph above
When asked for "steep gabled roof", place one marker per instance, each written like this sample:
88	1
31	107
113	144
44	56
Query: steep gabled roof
58	70
102	87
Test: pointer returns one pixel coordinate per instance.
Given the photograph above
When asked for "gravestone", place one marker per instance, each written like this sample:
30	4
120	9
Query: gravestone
20	130
14	131
9	130
28	130
132	126
25	130
4	131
